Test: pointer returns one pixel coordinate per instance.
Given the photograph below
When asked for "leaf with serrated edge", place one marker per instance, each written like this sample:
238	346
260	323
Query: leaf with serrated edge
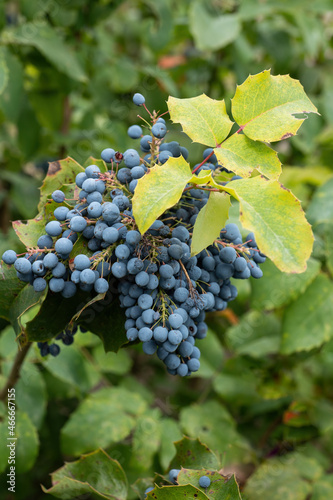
241	155
30	231
203	119
221	487
211	219
265	105
176	492
94	473
59	173
276	217
98	162
158	190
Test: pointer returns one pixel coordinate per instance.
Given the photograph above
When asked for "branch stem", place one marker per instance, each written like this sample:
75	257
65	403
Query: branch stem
15	371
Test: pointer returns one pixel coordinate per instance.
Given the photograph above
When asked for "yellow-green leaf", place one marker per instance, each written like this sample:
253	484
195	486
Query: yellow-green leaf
158	190
276	217
211	219
265	105
241	155
203	119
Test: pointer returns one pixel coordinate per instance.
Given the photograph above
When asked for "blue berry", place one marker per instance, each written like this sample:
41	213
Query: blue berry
9	257
39	284
204	482
58	196
138	99
53	228
63	246
159	130
134	131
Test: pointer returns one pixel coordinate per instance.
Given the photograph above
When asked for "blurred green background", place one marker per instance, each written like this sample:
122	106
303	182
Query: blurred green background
68	70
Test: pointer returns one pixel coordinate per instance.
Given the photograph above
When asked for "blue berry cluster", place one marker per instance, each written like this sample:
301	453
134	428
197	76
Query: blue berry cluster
164	290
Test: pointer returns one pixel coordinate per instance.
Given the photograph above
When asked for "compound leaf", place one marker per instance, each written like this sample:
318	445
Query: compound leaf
265	106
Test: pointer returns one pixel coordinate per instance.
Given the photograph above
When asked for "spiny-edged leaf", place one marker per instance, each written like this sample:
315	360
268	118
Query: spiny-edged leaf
187	492
307	322
26	299
10	287
96	161
221	487
49	43
203	119
158	190
265	105
95	473
211	219
103	418
276	217
241	155
192	453
212	32
60	173
320	208
27	443
30	231
277	289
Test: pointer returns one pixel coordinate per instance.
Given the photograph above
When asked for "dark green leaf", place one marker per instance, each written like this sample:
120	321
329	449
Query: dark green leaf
93	474
221	487
192	453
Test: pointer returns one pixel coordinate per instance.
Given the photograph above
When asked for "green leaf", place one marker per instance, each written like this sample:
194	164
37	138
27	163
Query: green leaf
264	106
60	173
282	477
146	439
256	335
323	488
96	161
192	453
30	231
25	300
320	209
275	216
211	219
31	393
73	368
93	474
221	487
27	444
49	43
213	425
277	289
12	97
212	355
176	492
54	315
241	155
307	322
119	363
212	32
170	432
203	119
3	71
103	418
10	287
158	190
